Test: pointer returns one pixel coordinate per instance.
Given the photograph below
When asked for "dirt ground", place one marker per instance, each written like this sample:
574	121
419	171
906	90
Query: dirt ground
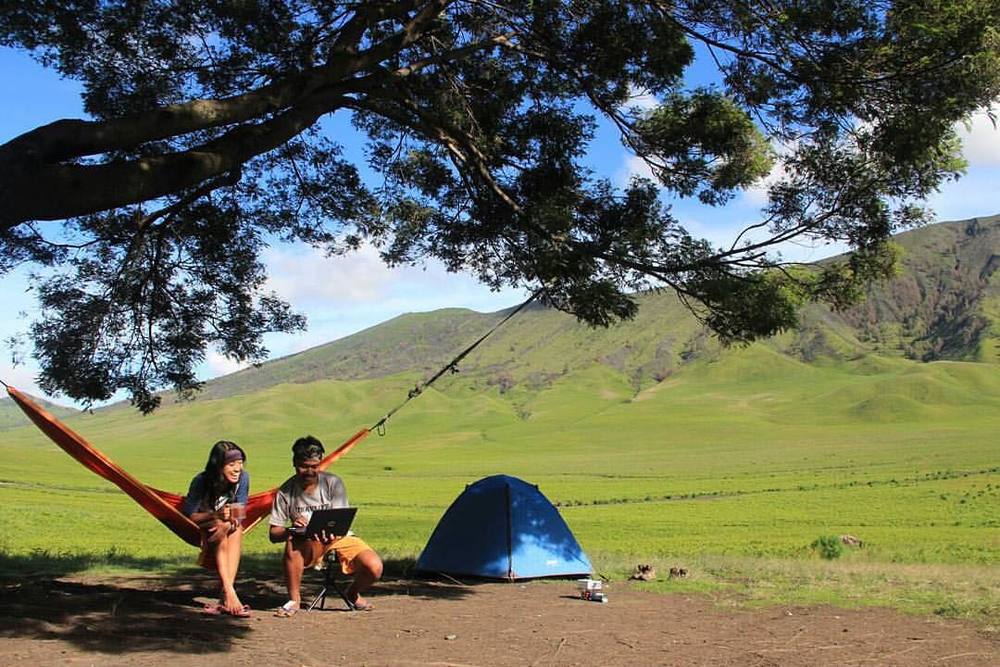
151	621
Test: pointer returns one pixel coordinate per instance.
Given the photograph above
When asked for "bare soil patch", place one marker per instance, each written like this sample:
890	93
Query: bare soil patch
158	620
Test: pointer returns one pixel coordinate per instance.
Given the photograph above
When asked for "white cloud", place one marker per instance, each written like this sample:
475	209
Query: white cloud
723	234
21	377
346	294
307	275
217	364
757	194
642	99
719	233
980	141
633	166
359	281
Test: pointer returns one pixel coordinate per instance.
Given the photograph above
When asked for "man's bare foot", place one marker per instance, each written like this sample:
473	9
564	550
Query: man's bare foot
360	604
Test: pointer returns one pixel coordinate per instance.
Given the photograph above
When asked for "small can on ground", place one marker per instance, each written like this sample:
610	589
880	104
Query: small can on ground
591	589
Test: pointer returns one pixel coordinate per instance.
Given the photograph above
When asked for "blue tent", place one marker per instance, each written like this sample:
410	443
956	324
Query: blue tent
501	527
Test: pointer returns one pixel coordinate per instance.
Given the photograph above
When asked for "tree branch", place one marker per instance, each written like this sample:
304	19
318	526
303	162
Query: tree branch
90	188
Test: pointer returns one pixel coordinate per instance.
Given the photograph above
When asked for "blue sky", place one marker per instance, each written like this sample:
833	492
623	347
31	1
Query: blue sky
344	295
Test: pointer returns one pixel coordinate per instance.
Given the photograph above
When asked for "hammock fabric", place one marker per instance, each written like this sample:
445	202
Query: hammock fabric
163	505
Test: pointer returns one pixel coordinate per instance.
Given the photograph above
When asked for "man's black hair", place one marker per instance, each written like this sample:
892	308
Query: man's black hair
306	448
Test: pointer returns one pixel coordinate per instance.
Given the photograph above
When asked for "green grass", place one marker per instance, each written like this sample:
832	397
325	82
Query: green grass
952	591
731	468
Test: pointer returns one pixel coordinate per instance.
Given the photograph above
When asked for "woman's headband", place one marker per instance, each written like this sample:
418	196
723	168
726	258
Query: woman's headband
233	455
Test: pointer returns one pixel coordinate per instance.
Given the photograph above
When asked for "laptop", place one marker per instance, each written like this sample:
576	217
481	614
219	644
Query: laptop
334	522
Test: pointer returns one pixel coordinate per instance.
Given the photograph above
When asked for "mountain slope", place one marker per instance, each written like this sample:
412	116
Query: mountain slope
944	304
11	415
534	348
411	342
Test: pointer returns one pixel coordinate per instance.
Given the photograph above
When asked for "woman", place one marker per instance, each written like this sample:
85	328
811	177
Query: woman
216	501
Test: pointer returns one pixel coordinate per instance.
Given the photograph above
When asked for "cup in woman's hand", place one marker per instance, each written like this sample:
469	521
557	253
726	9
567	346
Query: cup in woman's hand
237	511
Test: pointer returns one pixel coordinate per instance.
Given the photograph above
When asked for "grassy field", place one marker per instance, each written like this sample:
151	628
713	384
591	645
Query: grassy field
731	469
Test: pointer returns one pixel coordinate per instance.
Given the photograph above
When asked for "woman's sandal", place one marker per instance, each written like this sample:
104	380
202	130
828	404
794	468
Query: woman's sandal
244	612
287	610
219	610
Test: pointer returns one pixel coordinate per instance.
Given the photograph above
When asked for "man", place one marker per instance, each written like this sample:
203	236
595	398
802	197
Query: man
307	491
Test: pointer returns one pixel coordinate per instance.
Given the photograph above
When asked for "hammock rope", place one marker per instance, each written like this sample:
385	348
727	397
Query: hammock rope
166	506
450	366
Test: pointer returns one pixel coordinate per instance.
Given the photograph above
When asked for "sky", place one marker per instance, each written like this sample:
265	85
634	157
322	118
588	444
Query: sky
343	295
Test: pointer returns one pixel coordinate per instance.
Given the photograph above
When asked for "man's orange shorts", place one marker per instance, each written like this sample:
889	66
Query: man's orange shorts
347	549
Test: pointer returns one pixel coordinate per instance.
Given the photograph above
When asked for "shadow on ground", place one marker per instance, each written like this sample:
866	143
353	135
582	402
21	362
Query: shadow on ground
158	604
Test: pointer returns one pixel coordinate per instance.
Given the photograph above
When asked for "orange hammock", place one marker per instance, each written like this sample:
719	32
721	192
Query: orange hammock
163	505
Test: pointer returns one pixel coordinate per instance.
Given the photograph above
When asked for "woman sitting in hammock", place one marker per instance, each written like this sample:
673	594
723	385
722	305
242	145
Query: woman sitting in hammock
216	502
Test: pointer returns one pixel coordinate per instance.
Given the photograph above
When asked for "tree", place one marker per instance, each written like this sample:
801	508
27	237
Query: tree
204	146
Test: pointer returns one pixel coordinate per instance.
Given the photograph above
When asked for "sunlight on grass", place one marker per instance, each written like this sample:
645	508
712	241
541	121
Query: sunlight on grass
731	471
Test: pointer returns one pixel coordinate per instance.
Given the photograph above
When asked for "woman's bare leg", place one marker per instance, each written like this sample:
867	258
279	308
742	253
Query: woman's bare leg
227	558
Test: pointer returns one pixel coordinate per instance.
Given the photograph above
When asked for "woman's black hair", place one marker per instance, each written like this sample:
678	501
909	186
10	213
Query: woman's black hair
215	484
306	448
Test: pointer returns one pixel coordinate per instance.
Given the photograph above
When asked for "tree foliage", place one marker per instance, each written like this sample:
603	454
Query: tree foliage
204	146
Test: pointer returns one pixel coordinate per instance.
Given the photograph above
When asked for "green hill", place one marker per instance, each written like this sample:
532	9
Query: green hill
11	415
416	341
944	304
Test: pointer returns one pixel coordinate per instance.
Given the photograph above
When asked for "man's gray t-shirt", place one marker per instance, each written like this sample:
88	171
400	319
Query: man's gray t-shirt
292	501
